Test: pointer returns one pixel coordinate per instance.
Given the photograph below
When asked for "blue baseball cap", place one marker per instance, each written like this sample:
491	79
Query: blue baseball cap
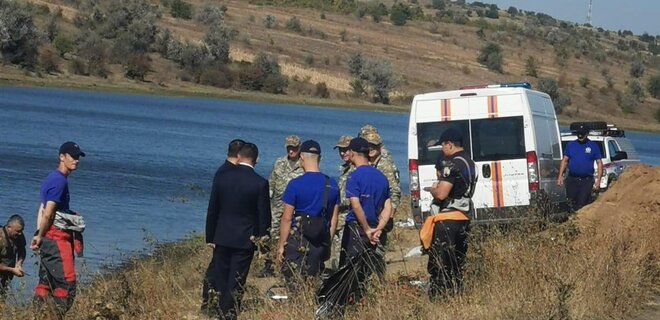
310	146
359	145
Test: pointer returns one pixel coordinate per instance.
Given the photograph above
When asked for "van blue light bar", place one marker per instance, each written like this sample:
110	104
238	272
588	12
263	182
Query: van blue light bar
525	85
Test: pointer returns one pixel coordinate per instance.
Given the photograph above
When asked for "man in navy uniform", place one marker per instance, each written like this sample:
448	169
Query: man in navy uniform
230	162
579	156
311	209
447	228
240	217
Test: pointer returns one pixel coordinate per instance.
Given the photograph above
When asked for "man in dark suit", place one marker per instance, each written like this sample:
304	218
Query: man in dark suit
241	214
208	286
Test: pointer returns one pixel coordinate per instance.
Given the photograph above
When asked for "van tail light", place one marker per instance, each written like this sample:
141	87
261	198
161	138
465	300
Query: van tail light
414	179
533	171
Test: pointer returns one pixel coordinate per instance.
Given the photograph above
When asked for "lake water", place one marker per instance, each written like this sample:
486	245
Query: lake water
150	160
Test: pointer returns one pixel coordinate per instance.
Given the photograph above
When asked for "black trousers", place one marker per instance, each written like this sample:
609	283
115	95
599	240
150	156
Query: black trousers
230	272
446	256
302	257
208	284
578	191
354	242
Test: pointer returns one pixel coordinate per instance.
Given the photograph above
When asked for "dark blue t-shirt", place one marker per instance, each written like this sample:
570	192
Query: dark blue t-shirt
581	158
371	187
55	188
305	194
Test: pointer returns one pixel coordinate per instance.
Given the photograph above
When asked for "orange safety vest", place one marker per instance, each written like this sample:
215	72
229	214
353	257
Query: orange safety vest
426	233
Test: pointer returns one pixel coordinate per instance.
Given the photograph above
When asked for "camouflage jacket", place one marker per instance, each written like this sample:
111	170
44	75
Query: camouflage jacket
280	176
344	170
388	168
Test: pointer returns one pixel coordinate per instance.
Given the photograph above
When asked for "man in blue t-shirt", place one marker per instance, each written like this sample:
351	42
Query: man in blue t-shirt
368	191
580	156
55	246
311	209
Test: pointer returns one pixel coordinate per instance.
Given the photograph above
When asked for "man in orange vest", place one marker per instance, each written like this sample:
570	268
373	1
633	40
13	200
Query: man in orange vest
444	233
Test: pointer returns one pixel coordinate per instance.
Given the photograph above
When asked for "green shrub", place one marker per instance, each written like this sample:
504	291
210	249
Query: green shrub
653	86
308	58
635	89
637	69
293	24
48	60
321	90
78	66
560	99
531	68
181	9
399	14
63	44
491	57
216	75
19	37
269	21
584	82
210	15
137	66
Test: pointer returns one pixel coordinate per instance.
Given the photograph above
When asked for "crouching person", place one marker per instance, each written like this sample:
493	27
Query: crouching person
444	234
309	220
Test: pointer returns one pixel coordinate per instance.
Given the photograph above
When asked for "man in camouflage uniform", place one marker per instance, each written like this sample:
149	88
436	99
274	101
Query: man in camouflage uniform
388	168
284	170
344	170
367	128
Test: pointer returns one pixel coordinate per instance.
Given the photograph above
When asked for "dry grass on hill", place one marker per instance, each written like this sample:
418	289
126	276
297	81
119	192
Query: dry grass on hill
601	264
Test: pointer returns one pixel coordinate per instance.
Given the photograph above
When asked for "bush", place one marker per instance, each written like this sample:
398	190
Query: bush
438	4
357	87
263	74
627	102
492	12
584	82
211	15
343	35
269	21
491	57
137	66
217	40
308	58
559	98
399	14
531	68
381	79
355	63
293	24
635	89
181	9
92	48
653	86
48	60
77	66
513	11
321	90
216	75
637	69
63	44
19	37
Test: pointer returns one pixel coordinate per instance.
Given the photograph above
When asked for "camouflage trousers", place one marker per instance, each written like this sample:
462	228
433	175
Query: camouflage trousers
333	262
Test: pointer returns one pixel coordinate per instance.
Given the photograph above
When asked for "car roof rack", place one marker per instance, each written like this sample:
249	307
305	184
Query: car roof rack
597	128
525	85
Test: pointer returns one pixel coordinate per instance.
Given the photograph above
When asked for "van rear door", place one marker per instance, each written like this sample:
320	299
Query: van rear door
498	149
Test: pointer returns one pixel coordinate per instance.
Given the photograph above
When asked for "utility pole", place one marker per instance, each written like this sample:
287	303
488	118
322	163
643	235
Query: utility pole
589	12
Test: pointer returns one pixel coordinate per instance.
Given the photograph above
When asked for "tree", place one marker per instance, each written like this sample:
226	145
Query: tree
321	90
513	11
92	48
211	15
355	63
559	98
637	69
217	40
269	21
181	9
636	90
653	86
19	37
491	57
378	73
531	69
438	5
263	74
492	12
399	14
137	66
63	44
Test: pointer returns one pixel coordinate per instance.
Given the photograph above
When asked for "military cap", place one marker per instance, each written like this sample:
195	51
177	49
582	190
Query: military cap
343	142
366	129
292	141
373	138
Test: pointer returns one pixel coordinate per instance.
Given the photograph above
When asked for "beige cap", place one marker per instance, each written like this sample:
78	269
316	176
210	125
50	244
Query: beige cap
373	138
366	129
292	141
343	142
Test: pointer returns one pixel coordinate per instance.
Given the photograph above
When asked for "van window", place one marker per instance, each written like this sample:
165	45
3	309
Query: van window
428	134
497	139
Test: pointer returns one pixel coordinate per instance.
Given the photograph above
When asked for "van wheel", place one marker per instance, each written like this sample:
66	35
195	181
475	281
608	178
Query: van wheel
589	125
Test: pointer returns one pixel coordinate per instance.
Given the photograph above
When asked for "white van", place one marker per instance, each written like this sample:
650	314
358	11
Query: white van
510	131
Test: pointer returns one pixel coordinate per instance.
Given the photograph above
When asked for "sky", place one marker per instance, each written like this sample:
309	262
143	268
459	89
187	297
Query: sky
638	16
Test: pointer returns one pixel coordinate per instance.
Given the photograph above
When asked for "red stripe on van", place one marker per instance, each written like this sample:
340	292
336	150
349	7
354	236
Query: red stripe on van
492	107
498	193
445	110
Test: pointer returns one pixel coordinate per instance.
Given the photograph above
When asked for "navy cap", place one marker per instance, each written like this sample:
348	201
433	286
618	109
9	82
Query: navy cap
359	145
71	148
310	146
582	131
451	134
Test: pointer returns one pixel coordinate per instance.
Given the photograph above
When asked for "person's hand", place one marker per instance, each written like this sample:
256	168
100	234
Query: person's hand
371	235
280	254
560	181
596	186
377	235
211	245
36	242
17	271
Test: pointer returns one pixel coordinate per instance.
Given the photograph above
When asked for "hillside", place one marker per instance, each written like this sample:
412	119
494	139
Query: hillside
433	50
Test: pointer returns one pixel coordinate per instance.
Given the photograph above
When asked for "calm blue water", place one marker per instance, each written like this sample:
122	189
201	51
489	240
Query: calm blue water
150	160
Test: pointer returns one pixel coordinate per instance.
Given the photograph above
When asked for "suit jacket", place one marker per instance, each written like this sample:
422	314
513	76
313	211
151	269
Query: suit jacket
239	208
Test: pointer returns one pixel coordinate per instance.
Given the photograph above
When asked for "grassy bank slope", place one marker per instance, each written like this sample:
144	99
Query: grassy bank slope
601	264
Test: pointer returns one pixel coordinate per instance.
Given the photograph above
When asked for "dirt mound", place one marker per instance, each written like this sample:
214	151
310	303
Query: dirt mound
633	200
